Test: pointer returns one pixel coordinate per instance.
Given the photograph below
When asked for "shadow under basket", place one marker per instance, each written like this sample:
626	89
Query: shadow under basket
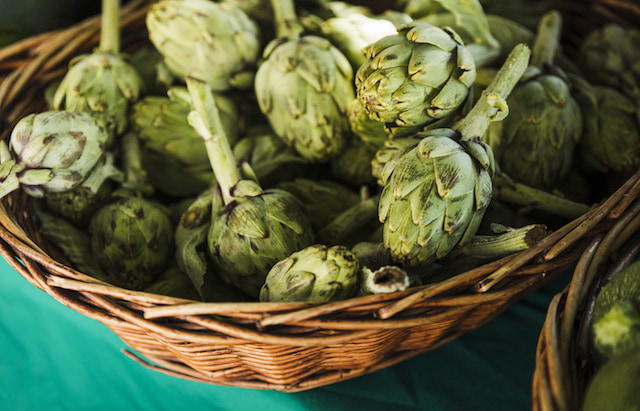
277	346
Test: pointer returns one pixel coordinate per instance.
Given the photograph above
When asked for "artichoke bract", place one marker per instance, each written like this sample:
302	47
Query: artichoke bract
420	77
102	83
304	87
215	42
436	192
256	228
51	151
316	274
535	144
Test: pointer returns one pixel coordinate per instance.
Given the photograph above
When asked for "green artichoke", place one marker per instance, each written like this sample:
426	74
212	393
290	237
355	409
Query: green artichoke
610	56
323	199
174	155
215	42
417	78
316	274
436	192
102	83
535	144
132	236
611	137
131	240
52	151
256	228
304	87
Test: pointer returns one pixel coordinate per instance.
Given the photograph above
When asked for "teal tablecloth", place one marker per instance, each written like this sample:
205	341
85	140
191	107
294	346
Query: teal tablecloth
53	358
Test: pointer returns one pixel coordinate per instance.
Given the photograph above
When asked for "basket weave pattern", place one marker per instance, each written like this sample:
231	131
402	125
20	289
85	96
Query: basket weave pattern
277	346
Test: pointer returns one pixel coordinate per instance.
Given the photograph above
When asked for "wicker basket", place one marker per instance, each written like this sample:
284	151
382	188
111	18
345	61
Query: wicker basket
286	347
564	363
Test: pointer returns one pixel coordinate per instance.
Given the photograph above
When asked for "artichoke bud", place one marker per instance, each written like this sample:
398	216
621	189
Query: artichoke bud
174	154
52	151
252	233
611	137
316	274
434	196
103	84
132	240
535	143
323	199
304	87
609	56
215	42
415	79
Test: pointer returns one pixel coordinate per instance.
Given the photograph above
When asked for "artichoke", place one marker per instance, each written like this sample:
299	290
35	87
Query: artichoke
611	137
417	78
131	241
610	56
256	228
174	155
323	199
102	83
215	42
304	87
316	274
436	192
132	236
52	151
535	143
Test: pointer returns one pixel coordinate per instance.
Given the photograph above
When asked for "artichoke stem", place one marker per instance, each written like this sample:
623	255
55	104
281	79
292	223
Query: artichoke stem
135	174
508	242
349	221
387	279
101	172
205	119
547	39
287	22
110	32
492	104
517	193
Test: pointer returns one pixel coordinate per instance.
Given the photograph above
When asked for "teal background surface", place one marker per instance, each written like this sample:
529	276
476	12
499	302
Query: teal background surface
54	358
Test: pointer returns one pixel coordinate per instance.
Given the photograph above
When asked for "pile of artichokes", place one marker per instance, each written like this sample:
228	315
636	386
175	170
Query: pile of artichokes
317	150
